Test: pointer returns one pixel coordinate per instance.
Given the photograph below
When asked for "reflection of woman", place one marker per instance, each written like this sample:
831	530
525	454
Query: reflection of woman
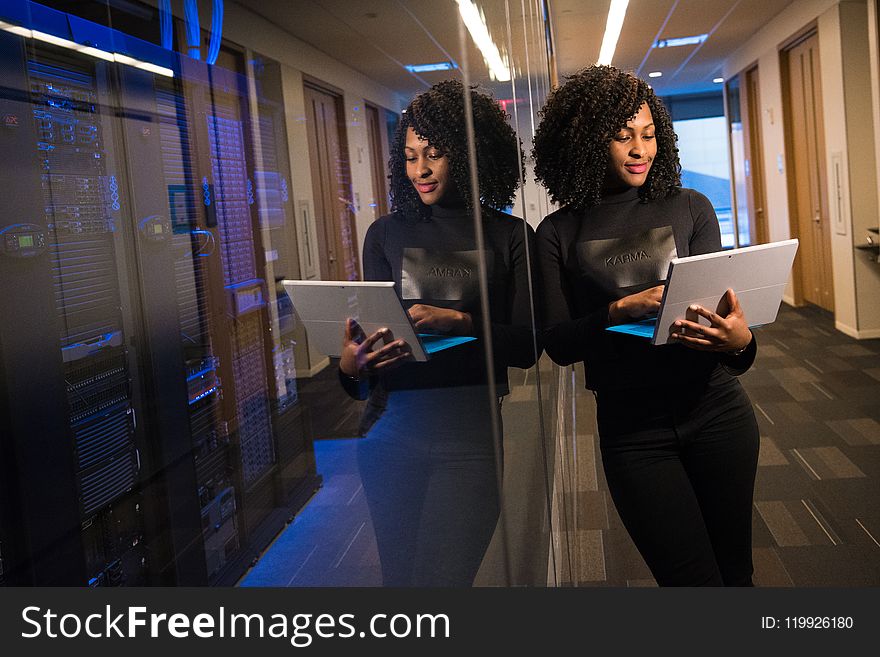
678	435
428	465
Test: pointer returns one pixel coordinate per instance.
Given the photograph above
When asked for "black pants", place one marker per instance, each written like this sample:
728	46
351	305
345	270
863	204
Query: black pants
680	465
429	476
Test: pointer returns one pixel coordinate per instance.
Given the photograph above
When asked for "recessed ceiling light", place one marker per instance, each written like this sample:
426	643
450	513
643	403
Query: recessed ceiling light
655	74
718	80
427	68
681	41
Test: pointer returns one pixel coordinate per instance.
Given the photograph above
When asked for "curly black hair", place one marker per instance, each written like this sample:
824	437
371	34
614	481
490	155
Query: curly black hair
578	122
437	115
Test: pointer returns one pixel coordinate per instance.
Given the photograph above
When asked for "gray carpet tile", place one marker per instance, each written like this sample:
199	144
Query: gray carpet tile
820	507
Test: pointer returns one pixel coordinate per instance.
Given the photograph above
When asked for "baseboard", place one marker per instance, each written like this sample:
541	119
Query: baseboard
309	373
866	334
848	330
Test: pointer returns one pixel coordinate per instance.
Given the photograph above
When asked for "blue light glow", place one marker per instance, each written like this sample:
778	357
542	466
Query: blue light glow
216	32
200	373
203	395
193	30
166	24
426	68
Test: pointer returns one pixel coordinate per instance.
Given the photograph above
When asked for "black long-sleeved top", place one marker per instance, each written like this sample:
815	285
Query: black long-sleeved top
434	260
620	247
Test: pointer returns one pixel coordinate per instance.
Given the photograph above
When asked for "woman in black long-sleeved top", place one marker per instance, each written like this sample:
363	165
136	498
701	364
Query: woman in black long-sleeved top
428	464
677	432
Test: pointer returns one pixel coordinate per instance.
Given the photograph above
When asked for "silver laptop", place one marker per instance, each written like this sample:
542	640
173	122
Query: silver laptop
758	275
325	306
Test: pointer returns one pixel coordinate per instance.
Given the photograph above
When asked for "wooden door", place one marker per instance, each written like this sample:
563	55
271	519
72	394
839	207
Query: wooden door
331	185
805	149
751	112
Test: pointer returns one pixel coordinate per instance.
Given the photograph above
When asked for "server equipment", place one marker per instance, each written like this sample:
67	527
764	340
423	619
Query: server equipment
151	428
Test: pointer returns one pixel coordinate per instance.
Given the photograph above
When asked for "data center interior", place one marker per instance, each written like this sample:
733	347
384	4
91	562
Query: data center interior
165	164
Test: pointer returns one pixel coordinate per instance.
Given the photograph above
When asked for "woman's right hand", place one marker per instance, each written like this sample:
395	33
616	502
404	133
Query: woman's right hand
635	306
358	356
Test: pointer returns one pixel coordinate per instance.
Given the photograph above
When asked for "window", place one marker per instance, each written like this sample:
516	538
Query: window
705	166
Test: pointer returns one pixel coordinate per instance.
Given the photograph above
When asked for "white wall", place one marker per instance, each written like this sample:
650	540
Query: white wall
859	124
834	108
874	54
843	51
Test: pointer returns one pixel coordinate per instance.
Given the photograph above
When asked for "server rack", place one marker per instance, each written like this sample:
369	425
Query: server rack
71	235
169	480
33	407
193	244
160	406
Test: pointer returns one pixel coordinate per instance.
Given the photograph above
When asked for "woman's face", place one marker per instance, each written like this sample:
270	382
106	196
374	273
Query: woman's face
632	151
428	169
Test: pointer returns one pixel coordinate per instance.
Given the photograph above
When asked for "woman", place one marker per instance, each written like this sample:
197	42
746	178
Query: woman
428	464
678	436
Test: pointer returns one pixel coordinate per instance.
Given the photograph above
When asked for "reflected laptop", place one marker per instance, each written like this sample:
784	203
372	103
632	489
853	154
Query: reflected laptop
324	307
758	275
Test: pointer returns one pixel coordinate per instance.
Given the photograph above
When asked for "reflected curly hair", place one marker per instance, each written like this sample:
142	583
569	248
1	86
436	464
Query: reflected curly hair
437	115
579	120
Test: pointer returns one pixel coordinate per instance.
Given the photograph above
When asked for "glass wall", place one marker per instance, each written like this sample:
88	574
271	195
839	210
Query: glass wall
173	413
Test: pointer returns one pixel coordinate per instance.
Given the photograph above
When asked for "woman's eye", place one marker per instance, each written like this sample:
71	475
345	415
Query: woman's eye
410	159
621	138
648	136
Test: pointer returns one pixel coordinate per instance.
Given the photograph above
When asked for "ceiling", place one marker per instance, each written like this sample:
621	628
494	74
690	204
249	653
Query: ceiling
378	37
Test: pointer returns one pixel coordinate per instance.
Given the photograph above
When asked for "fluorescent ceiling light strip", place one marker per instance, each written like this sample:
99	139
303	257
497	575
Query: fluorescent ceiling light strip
124	59
95	52
154	68
54	40
86	50
655	74
16	29
476	25
146	66
681	41
616	14
72	45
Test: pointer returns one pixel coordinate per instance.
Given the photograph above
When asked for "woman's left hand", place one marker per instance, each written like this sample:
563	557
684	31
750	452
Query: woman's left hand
728	332
442	320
